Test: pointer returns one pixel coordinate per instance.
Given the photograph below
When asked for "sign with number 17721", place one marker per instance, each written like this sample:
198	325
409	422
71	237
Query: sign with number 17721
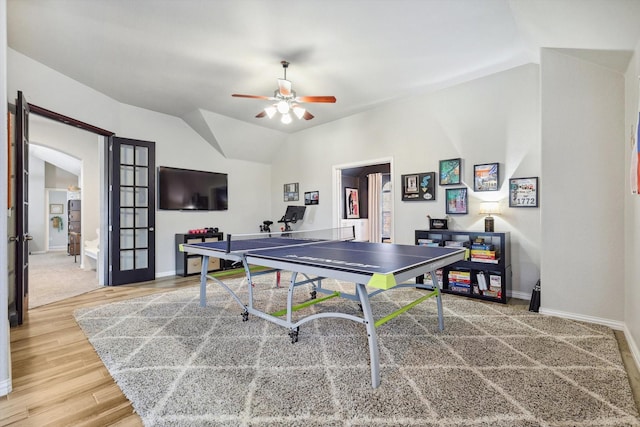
523	192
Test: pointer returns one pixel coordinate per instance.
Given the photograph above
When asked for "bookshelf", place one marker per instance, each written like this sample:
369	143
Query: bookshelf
486	271
190	264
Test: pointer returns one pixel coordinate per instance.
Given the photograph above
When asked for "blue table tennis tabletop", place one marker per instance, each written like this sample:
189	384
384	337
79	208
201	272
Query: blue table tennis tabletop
347	256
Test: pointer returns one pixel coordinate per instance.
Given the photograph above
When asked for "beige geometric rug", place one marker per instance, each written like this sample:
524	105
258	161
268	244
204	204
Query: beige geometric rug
493	365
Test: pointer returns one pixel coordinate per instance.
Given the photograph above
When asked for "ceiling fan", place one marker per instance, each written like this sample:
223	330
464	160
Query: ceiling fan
286	101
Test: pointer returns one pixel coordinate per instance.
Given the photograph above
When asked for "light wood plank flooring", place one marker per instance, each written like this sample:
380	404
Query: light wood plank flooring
59	380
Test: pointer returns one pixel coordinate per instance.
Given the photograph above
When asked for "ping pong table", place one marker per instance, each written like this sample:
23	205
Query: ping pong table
371	267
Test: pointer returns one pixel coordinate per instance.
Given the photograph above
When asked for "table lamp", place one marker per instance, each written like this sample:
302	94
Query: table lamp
489	208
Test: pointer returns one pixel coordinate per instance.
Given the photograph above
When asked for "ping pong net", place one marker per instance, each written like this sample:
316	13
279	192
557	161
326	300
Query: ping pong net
287	238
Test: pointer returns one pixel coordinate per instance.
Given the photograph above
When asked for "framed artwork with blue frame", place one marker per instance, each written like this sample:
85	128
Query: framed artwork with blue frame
450	171
457	201
486	177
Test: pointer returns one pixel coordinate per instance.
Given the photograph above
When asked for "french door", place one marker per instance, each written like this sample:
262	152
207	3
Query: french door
21	237
131	211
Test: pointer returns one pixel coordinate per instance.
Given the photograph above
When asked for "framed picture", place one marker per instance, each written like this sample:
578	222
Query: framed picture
291	192
56	209
311	198
457	199
523	192
486	177
419	187
351	203
450	172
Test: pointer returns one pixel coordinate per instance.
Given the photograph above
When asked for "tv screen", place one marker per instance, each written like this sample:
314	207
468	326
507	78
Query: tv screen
185	189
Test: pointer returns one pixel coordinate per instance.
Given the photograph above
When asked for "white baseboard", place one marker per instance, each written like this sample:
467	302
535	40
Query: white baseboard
633	347
165	274
613	324
520	295
5	387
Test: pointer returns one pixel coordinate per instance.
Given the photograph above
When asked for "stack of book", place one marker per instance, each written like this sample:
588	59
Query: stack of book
428	281
484	252
459	281
429	242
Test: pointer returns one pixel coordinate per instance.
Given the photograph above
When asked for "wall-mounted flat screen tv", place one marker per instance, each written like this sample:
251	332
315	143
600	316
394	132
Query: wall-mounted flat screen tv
191	190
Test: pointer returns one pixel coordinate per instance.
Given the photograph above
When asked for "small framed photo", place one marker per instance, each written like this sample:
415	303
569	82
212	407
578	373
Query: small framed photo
56	208
419	187
351	203
523	192
311	197
291	193
450	171
486	177
457	201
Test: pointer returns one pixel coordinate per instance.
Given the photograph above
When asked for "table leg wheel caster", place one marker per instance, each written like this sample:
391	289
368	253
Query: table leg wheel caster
293	334
313	294
245	316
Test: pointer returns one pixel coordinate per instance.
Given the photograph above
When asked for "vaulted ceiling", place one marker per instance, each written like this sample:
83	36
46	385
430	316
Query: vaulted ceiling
186	57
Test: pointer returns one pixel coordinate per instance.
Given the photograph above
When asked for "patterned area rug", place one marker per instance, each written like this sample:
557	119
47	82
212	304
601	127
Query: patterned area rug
494	365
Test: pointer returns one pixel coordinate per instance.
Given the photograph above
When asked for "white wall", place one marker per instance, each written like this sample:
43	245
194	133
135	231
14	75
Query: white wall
492	119
632	214
176	145
37	197
583	146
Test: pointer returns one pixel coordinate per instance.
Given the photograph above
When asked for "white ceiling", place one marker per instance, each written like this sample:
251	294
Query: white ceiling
181	56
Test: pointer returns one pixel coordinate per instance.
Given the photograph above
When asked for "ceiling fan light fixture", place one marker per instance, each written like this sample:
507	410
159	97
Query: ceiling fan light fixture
271	111
286	118
299	112
283	107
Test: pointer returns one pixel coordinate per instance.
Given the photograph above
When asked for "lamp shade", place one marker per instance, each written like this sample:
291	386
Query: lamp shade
489	208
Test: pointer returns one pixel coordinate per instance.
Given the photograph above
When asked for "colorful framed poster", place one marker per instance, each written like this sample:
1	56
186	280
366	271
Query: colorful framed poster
486	177
450	171
291	193
419	187
311	197
523	192
457	201
351	203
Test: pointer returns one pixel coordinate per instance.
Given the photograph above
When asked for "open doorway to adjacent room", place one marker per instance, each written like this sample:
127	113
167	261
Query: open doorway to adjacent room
363	198
64	166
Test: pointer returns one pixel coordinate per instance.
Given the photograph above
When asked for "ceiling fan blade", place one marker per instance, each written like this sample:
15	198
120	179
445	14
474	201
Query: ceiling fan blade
261	114
330	99
307	115
285	87
237	95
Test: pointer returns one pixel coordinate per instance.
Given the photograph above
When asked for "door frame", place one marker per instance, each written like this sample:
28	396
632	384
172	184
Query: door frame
337	196
102	260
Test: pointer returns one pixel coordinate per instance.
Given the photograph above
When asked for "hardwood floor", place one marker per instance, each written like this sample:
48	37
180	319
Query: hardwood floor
59	380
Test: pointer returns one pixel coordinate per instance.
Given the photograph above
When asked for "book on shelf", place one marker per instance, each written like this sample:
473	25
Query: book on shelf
428	280
459	288
482	252
456	243
483	246
490	261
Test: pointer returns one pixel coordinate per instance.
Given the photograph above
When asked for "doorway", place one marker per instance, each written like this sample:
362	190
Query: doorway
375	221
63	167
